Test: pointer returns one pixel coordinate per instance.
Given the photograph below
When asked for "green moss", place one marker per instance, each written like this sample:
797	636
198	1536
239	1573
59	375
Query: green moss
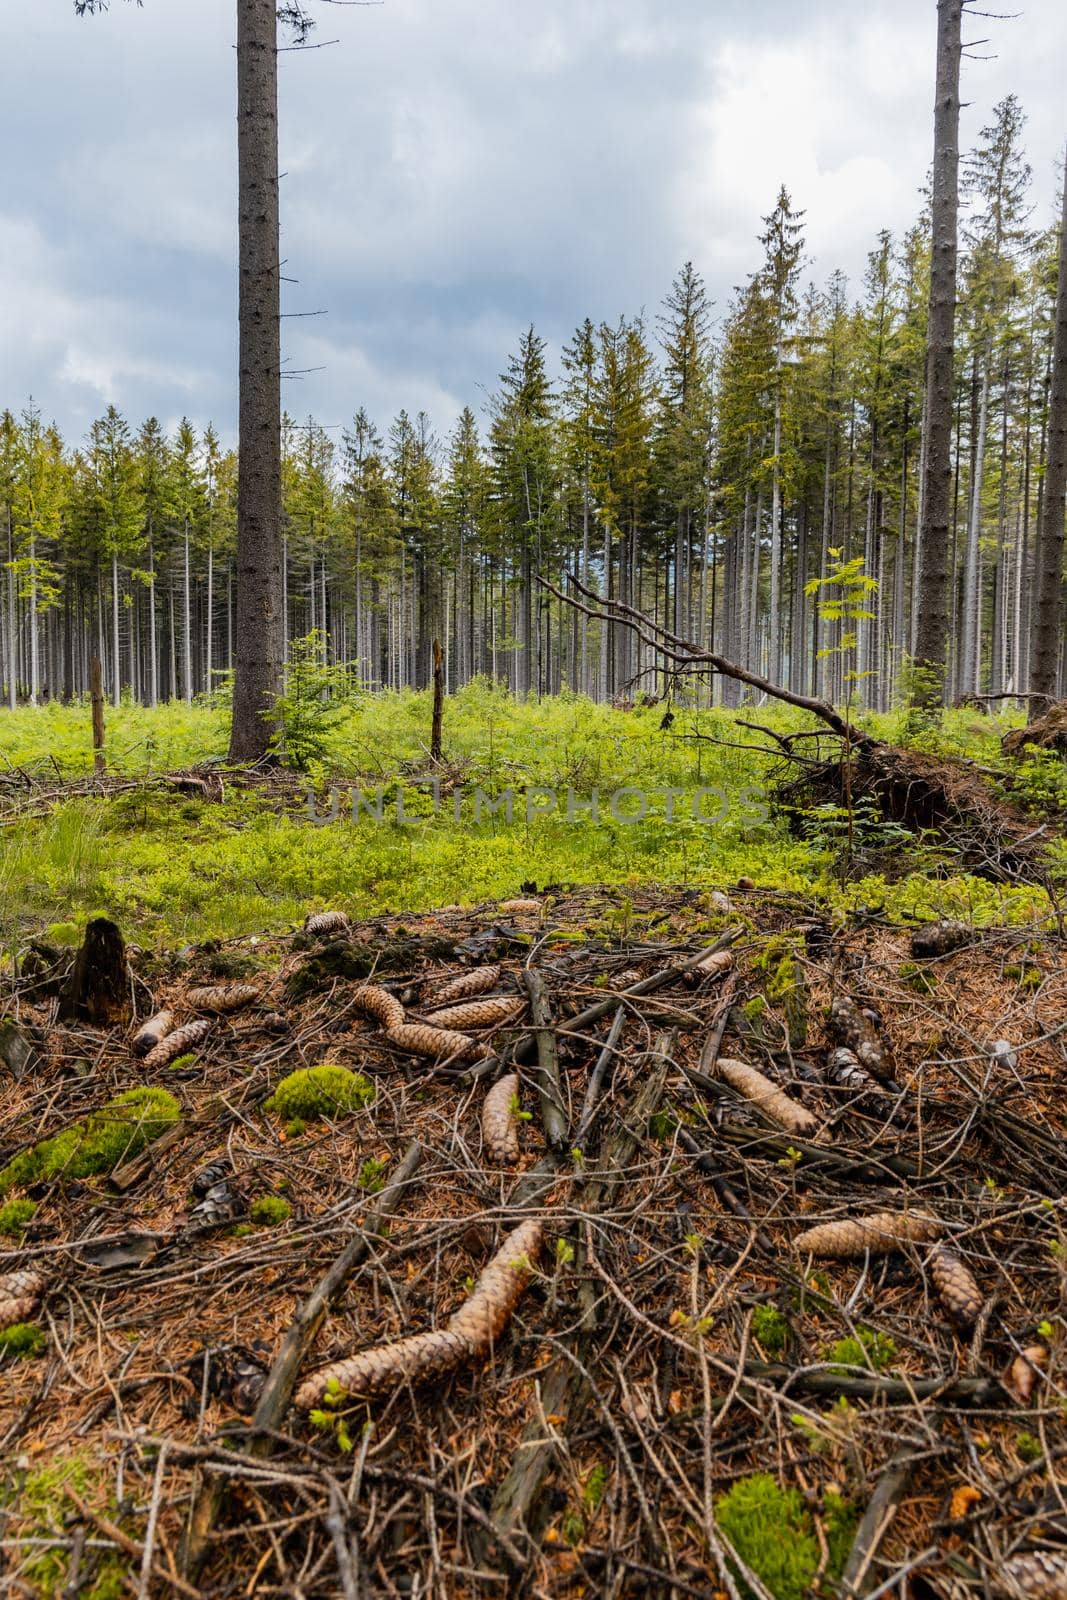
771	1329
772	1531
270	1210
40	1503
868	1350
22	1339
841	1519
314	1092
1029	1448
785	984
917	978
295	1127
14	1217
118	1131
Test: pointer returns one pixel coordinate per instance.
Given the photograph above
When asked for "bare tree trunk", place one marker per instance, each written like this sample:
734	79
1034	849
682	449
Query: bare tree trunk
1049	562
187	623
932	624
259	574
116	681
96	692
972	588
153	637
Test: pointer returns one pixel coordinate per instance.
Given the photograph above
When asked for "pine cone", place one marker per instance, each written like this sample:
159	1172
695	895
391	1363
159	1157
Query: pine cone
881	1232
1039	1575
151	1032
500	1131
471	1332
222	997
19	1294
844	1067
851	1027
423	1040
326	922
938	938
177	1043
718	962
955	1283
376	1002
767	1096
626	980
520	907
478	981
476	1014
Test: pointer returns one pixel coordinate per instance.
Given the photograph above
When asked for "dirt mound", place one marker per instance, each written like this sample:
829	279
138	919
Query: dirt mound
1047	733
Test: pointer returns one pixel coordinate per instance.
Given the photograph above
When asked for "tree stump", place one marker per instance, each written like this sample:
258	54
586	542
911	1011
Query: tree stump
98	989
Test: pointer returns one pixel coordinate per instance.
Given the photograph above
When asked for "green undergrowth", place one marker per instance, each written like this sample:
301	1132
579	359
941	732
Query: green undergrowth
773	1532
269	1211
15	1217
22	1339
39	1502
106	1137
314	1092
174	870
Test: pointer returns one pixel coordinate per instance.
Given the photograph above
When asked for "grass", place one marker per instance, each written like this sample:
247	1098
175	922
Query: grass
174	870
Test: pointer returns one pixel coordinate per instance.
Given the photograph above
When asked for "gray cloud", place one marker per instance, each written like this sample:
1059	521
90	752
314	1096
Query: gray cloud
455	169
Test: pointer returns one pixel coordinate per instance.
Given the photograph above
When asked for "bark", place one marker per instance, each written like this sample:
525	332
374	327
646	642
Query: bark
1049	563
932	622
257	641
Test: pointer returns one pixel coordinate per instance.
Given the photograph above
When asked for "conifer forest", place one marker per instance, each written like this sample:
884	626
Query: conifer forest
533	960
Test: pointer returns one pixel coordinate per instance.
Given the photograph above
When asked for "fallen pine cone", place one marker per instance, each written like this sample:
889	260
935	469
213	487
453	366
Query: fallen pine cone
376	1002
177	1043
720	902
423	1040
222	997
476	1014
500	1130
19	1294
1023	1373
151	1032
766	1095
326	922
956	1285
938	938
1039	1575
844	1067
522	907
710	966
881	1232
625	980
854	1028
471	1333
478	981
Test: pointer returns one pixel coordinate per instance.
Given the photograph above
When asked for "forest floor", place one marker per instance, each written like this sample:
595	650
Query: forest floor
245	857
687	1391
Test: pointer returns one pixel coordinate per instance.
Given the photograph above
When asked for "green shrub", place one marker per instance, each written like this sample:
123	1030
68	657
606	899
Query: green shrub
21	1339
14	1217
771	1329
118	1131
325	1091
269	1210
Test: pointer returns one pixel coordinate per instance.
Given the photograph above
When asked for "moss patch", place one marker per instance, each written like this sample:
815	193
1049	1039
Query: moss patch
773	1532
122	1128
771	1329
22	1339
269	1210
15	1217
314	1092
869	1350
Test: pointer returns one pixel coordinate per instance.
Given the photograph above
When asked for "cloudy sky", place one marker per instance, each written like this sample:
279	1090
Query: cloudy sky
454	170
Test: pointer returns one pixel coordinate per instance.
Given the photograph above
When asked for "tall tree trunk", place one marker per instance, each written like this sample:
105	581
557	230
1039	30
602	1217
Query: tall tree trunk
187	621
153	633
116	677
259	576
1048	586
932	623
970	663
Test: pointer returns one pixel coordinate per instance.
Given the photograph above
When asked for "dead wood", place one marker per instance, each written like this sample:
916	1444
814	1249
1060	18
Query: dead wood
549	1089
98	990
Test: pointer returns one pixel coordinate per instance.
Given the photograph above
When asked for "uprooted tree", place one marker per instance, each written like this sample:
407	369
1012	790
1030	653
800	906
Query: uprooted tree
919	791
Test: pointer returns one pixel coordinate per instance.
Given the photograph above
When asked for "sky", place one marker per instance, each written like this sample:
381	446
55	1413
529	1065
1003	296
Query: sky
454	170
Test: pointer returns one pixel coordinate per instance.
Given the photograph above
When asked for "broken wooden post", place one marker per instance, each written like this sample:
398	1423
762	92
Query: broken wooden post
96	693
438	702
